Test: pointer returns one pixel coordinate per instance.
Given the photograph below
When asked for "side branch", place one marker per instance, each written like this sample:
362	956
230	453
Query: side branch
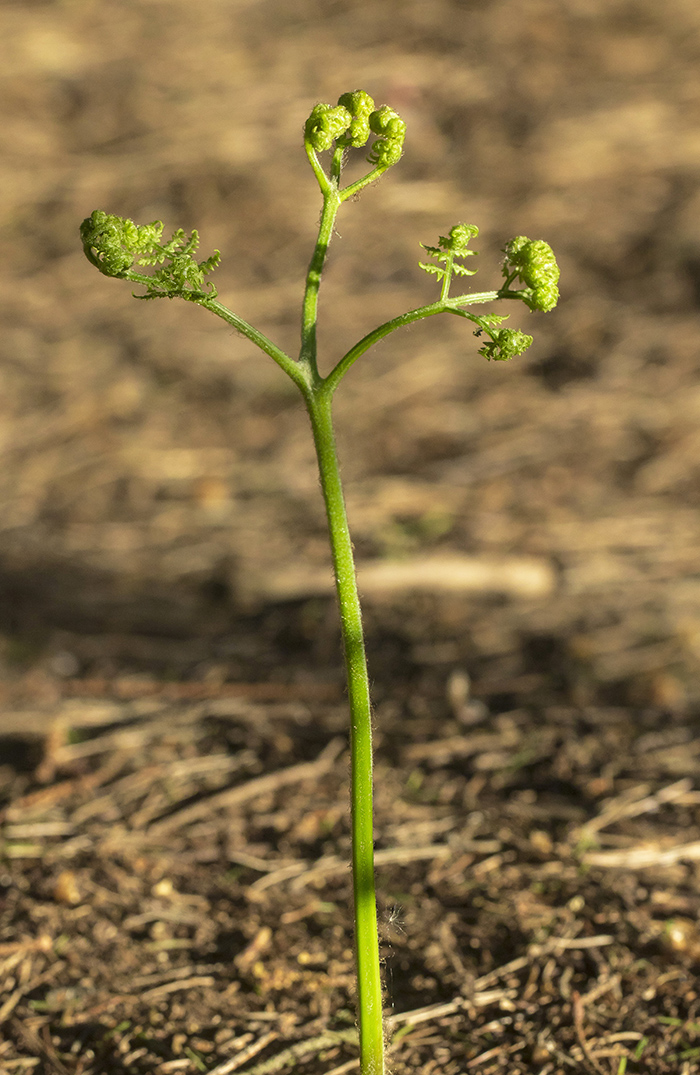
295	370
309	311
452	305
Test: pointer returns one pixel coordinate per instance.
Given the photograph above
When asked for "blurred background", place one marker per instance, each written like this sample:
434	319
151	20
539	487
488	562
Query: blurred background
159	507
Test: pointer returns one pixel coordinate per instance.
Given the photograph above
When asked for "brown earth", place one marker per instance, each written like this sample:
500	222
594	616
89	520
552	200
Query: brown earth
174	895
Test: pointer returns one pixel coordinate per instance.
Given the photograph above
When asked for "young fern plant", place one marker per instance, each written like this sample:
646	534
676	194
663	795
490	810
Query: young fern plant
123	249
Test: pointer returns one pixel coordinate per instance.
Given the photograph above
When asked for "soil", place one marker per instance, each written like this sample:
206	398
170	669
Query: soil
174	887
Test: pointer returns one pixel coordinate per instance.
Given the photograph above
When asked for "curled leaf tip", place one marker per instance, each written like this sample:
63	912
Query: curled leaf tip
350	124
449	247
505	343
115	245
325	124
458	239
391	131
360	106
534	263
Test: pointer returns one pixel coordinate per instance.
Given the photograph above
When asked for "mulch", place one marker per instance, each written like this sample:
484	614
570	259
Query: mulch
176	892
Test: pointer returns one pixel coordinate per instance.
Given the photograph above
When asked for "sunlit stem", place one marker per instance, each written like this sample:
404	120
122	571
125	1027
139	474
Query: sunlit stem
447	276
452	305
369	986
331	204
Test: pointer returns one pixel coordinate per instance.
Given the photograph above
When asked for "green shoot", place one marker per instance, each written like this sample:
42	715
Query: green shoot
118	247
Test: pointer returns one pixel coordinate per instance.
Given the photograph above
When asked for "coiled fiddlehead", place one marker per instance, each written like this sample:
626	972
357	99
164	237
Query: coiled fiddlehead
533	261
349	125
115	244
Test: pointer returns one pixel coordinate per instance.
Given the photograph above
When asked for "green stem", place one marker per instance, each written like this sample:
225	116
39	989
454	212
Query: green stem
452	305
447	276
369	986
354	188
331	204
337	164
321	177
298	371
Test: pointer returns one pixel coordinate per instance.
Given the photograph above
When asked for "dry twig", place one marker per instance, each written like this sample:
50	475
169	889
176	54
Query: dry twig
261	785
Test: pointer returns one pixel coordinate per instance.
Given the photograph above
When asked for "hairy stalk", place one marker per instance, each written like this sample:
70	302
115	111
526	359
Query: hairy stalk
369	986
309	315
440	307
